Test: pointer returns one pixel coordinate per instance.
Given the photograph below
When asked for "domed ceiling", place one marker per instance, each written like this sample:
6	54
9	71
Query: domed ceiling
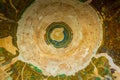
59	40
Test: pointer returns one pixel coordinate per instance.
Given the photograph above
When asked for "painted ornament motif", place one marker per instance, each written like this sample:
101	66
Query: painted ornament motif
59	37
58	40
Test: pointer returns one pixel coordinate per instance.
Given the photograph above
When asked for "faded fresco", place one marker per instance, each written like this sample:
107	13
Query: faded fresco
59	39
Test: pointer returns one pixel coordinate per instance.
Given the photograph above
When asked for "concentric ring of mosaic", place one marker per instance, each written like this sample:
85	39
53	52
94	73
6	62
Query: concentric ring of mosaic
87	36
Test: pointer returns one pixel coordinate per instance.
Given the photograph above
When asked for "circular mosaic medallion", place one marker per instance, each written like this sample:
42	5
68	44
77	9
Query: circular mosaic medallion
59	37
58	34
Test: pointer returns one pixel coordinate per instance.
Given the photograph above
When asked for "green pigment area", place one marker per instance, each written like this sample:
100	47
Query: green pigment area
66	31
102	66
103	69
31	72
25	71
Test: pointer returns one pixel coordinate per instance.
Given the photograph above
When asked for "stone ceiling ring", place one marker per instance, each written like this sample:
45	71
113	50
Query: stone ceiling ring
59	37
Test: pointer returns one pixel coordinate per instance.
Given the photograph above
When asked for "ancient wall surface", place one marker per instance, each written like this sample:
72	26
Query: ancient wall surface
59	39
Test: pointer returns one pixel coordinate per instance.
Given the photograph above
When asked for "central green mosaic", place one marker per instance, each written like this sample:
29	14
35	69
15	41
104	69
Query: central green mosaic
59	34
